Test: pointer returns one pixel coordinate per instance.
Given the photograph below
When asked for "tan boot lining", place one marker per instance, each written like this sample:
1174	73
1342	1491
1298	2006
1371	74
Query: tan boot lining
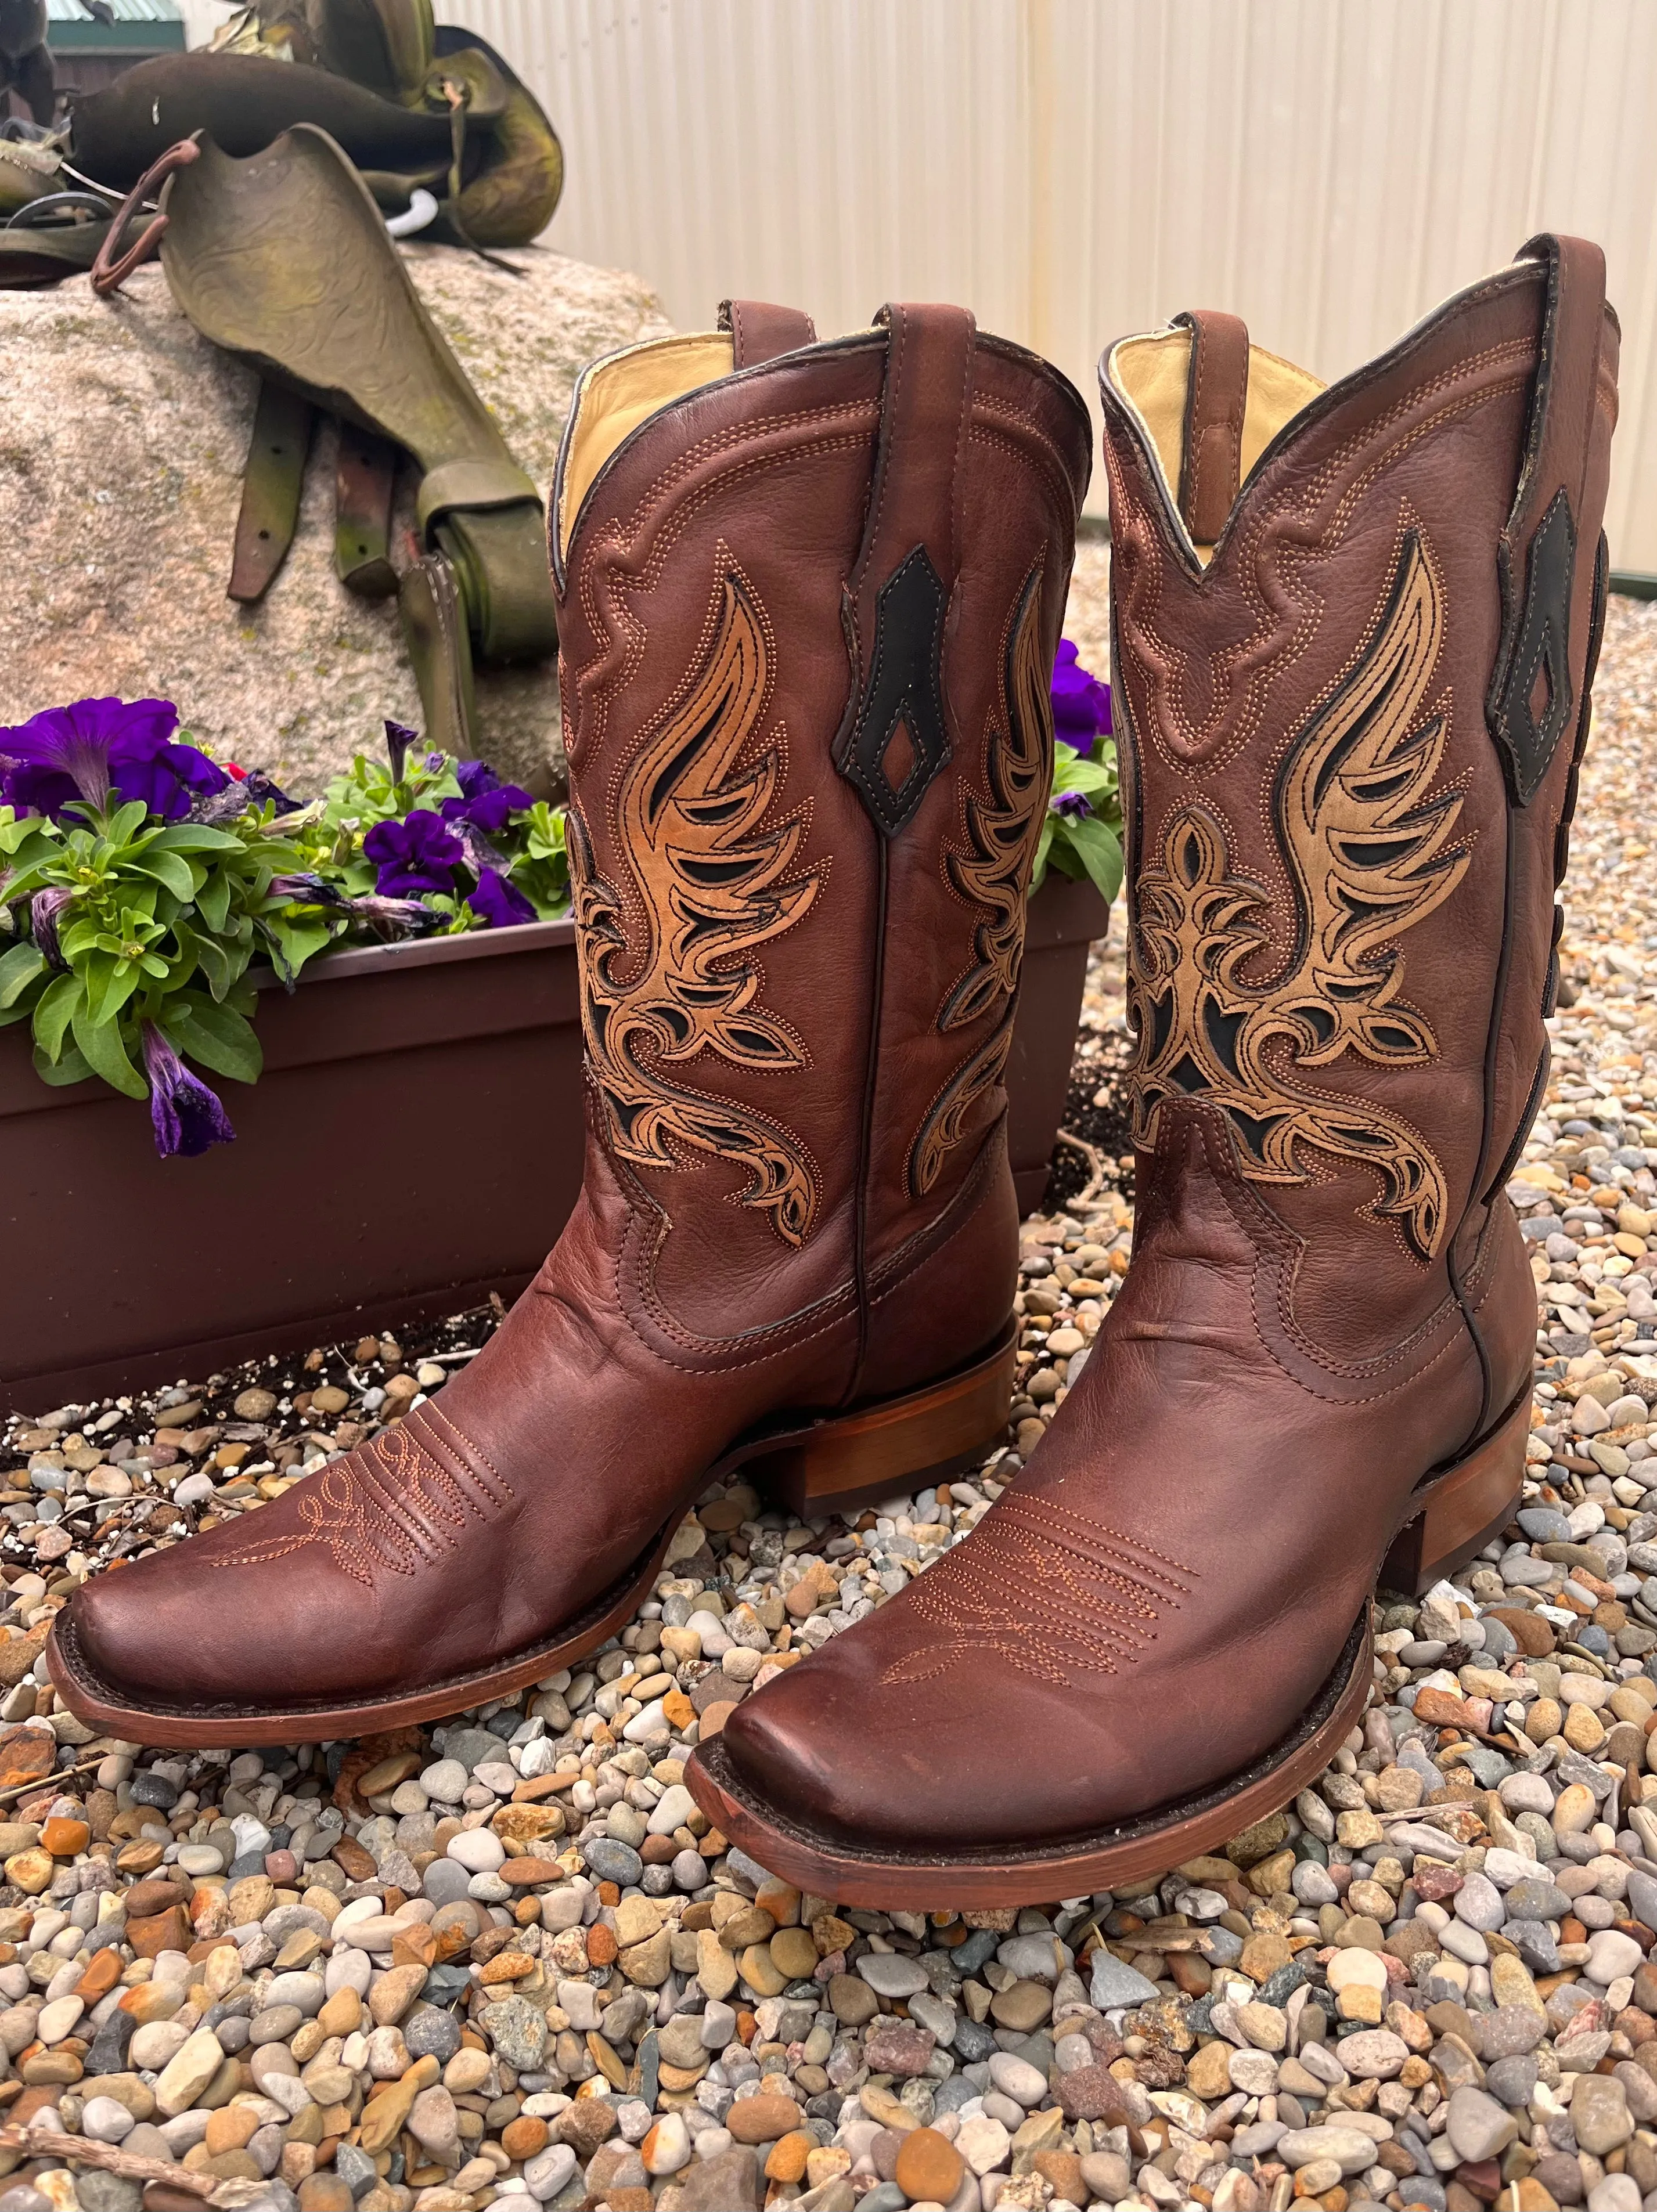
617	394
1152	373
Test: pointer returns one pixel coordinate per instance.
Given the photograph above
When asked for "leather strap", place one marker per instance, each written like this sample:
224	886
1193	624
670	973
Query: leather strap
894	736
272	489
1216	393
475	484
364	480
1529	703
759	332
440	646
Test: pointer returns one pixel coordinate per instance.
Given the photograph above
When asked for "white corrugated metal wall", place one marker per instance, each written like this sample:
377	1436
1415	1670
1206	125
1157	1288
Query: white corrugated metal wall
1074	169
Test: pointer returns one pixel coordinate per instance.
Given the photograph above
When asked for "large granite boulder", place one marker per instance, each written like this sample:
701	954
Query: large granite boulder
123	436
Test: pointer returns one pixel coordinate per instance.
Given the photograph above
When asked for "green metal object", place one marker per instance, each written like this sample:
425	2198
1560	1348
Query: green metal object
131	29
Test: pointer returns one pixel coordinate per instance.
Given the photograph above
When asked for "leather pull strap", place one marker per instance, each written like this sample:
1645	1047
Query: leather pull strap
894	736
271	488
440	646
365	478
1216	393
760	331
1529	703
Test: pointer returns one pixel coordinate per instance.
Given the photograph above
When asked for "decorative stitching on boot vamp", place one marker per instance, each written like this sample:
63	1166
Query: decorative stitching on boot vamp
398	1501
1054	1594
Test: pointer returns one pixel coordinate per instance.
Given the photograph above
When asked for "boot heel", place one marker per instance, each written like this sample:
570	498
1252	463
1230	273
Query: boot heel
1461	1507
927	1436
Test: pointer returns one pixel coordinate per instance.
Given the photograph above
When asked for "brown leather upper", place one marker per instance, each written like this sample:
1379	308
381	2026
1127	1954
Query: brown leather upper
764	969
1340	912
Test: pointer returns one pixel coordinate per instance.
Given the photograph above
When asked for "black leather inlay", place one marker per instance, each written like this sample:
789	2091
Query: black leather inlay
1540	654
904	692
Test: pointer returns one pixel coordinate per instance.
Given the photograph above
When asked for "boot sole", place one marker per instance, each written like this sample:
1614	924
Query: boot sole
1451	1515
815	1466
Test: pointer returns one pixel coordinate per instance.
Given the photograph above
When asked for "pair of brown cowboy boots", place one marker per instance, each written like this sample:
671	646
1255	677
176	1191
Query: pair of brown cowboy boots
810	595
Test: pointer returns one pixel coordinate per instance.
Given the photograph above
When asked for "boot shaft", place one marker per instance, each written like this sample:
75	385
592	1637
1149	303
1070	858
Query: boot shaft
1352	697
809	597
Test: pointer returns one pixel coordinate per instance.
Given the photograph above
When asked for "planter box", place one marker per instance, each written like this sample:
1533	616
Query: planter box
414	1144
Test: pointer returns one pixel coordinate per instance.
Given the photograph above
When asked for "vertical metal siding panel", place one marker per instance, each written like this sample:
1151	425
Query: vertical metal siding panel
1076	170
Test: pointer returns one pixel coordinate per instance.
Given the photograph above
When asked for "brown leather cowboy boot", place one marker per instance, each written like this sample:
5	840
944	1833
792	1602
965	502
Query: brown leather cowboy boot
800	905
1353	694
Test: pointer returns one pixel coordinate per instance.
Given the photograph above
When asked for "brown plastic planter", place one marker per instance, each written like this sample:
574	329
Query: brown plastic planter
415	1143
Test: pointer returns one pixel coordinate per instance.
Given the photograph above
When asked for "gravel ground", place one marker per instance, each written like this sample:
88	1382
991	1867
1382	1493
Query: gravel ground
301	1974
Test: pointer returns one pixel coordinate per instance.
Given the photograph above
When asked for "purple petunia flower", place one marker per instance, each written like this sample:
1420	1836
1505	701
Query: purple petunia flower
252	788
399	738
480	853
187	1116
499	901
44	908
386	917
418	854
1072	805
1081	705
485	801
98	750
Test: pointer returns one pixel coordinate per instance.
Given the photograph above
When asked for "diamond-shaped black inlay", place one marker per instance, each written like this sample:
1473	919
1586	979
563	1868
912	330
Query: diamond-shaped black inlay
905	691
1532	705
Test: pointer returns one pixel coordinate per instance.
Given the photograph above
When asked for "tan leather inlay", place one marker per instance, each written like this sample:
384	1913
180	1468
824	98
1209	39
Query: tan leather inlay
1054	1594
945	1118
397	1502
991	872
713	886
1369	854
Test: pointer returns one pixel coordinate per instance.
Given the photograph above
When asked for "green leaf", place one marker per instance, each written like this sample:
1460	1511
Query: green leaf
171	869
28	842
18	969
110	983
79	936
218	965
73	1067
1094	844
125	823
213	900
28	880
293	942
195	837
1044	846
54	1011
215	1035
105	1052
